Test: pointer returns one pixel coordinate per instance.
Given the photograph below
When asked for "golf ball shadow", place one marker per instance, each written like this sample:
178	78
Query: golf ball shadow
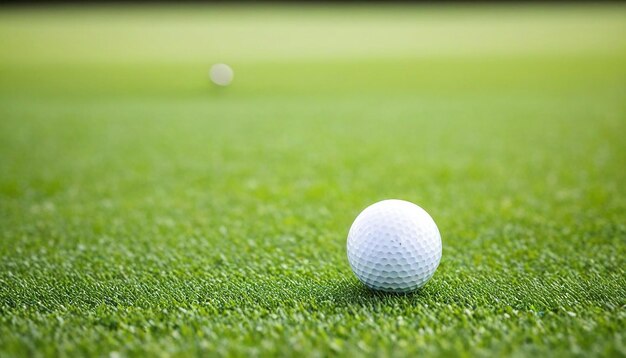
352	292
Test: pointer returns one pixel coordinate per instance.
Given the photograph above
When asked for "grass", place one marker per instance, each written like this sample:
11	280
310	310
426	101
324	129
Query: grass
143	211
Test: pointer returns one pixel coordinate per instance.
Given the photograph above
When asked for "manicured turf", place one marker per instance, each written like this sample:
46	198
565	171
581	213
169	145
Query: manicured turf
144	211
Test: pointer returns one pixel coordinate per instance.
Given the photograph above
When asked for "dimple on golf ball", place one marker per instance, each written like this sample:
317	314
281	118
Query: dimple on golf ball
394	246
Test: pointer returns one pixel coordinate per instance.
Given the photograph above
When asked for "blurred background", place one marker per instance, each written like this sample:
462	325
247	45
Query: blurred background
456	83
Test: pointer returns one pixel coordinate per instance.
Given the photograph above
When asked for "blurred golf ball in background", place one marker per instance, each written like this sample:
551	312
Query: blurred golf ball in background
394	246
221	74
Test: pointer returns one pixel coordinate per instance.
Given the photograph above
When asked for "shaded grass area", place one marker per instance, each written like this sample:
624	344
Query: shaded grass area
143	211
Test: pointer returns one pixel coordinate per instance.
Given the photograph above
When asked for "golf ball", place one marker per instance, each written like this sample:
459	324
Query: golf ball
394	246
221	74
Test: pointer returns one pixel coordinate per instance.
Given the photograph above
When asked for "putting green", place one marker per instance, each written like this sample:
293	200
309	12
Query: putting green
143	210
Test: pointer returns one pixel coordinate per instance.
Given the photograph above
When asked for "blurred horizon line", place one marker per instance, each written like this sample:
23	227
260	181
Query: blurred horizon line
28	3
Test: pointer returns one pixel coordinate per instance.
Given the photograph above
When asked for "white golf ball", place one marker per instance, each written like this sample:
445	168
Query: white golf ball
394	246
221	74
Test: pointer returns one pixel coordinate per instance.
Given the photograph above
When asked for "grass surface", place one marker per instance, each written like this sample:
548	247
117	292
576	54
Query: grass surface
143	211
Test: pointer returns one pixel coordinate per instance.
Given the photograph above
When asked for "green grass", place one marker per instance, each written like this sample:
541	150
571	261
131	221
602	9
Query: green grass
143	211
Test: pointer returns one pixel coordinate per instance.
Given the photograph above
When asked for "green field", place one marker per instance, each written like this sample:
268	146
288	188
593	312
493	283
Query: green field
143	210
